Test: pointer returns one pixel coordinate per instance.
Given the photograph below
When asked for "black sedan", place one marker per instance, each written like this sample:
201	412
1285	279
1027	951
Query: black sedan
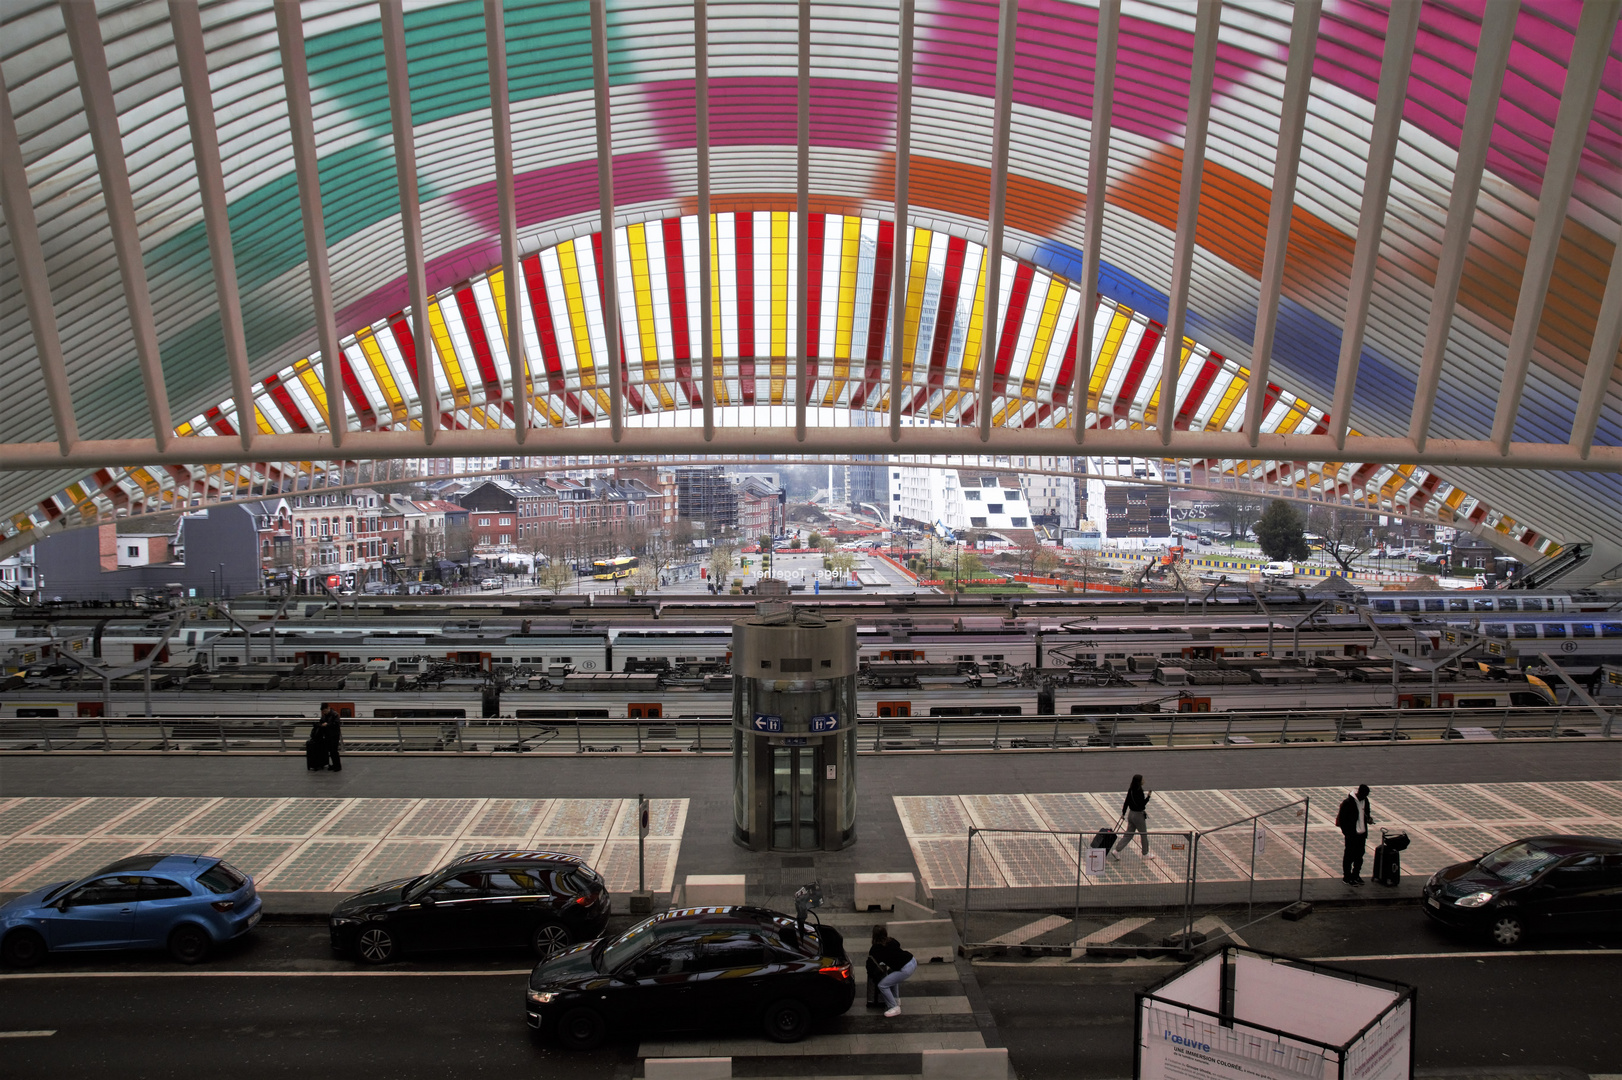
546	900
694	969
1543	884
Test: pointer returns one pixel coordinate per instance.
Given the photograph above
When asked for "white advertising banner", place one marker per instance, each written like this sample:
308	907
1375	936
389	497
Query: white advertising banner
1182	1047
1382	1052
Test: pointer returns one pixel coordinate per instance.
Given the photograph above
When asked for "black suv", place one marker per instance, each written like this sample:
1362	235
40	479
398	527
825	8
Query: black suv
489	899
695	968
1539	884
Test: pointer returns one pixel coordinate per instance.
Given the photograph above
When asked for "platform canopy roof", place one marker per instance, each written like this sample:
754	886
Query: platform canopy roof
1366	253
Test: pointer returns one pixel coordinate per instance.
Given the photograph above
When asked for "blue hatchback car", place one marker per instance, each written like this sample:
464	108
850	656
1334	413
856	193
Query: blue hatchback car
184	903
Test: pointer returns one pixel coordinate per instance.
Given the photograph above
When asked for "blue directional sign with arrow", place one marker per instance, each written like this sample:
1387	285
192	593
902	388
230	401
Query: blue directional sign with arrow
824	722
767	722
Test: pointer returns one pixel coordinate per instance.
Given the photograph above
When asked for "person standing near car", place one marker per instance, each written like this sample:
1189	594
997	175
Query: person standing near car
1136	809
332	736
1354	820
896	963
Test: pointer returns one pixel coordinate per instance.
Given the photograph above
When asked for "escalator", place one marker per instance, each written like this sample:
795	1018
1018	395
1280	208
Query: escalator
1547	572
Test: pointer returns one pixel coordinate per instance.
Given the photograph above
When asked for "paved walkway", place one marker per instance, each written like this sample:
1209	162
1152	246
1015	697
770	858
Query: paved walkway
330	845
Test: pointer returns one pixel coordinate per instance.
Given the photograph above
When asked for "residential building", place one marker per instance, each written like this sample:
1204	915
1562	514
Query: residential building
503	512
663	497
211	554
761	507
431	526
17	573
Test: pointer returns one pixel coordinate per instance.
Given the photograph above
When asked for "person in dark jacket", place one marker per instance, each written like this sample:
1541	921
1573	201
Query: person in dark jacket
332	736
897	964
1136	808
1354	820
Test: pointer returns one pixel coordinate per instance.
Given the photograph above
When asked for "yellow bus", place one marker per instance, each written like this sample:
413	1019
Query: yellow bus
610	569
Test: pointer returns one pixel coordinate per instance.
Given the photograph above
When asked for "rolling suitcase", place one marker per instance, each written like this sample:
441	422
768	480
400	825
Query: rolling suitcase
315	754
1387	865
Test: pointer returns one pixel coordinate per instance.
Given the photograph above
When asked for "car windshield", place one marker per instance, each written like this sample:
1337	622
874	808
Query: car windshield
1517	862
627	947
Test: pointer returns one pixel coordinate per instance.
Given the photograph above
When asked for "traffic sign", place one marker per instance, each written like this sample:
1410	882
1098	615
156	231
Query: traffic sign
824	722
767	722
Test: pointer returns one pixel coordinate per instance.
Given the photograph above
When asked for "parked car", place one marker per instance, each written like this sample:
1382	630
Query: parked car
694	969
546	900
184	903
490	583
1540	884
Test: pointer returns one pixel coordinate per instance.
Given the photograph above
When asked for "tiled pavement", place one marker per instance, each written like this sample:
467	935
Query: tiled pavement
330	844
1446	823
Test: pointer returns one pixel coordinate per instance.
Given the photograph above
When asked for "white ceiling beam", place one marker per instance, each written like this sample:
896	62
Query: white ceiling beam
1401	29
1001	122
903	171
405	164
83	26
1486	86
605	217
1589	52
192	59
701	117
1602	355
1092	232
803	223
935	440
1287	163
17	202
495	38
1201	81
306	165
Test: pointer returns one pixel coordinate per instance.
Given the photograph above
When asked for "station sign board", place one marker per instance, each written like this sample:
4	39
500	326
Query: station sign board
824	722
767	722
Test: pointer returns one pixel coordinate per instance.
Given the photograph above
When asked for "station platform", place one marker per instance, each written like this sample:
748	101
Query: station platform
308	835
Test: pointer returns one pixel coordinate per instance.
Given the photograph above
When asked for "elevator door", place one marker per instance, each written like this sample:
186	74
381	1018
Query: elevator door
794	798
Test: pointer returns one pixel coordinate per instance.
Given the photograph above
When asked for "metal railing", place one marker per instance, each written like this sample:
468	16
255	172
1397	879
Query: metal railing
709	735
1010	875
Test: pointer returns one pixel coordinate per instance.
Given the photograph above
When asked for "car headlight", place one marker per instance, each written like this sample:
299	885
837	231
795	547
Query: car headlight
345	920
1475	900
543	997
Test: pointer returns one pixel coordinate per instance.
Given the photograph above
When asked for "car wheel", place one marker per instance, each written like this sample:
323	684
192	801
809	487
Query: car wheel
375	945
190	944
581	1029
1508	931
549	940
23	948
787	1021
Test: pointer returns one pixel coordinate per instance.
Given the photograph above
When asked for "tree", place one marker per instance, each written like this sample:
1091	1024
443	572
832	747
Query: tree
842	563
555	576
1347	534
1091	564
1238	510
814	540
722	557
1281	532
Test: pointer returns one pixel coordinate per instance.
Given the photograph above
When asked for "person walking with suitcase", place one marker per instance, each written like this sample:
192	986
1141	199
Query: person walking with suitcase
1353	820
897	964
1136	809
315	747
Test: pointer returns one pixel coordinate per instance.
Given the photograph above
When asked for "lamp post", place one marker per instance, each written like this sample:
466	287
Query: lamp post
213	585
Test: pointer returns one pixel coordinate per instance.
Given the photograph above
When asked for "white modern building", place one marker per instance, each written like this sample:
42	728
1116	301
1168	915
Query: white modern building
987	499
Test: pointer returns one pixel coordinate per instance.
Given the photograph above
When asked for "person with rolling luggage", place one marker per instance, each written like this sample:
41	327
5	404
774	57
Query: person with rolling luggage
1135	808
1388	858
315	747
1353	819
331	740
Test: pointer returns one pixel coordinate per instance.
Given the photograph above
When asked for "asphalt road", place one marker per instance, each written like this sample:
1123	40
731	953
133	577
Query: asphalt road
278	1004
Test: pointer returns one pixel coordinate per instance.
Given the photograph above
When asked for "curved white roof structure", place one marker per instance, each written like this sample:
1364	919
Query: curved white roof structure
244	238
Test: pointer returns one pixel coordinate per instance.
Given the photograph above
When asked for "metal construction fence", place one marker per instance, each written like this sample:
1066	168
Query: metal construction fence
56	728
1167	890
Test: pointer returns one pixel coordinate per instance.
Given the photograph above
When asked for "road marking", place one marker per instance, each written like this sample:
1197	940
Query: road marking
26	1034
1030	930
260	974
1109	933
1211	923
1496	953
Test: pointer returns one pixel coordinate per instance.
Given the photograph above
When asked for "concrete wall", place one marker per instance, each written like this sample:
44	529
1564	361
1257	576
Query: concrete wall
69	563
